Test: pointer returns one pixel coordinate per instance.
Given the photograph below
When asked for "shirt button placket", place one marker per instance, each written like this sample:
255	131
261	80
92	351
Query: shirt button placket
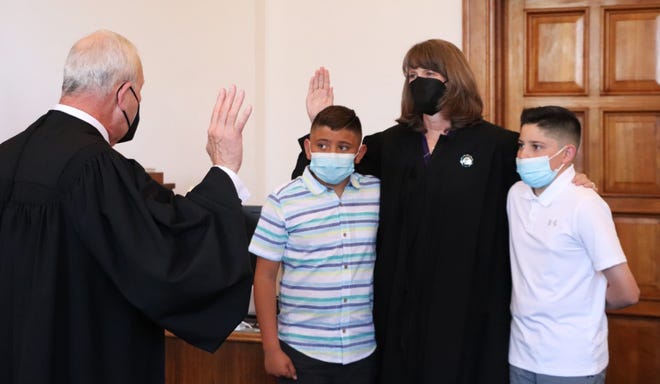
346	274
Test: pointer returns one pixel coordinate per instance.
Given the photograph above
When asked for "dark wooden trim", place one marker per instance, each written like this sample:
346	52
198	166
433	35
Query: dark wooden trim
483	39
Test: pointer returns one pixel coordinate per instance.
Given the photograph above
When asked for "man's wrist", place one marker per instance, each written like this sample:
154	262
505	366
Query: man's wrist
241	189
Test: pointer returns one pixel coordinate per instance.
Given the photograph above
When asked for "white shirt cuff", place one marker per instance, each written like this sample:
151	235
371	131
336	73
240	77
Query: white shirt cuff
241	189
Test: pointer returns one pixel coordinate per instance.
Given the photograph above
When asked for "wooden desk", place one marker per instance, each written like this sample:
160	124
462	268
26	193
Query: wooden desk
239	359
158	176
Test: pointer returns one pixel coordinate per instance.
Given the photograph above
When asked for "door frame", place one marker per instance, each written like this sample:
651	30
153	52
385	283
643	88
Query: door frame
483	46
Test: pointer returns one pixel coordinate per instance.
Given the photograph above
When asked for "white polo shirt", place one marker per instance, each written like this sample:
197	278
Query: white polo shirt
560	243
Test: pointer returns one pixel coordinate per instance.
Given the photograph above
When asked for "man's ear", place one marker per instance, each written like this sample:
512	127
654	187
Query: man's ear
123	92
116	126
308	149
361	152
569	154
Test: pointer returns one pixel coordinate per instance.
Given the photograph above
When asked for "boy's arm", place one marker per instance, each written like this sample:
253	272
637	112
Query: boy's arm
622	289
276	362
596	229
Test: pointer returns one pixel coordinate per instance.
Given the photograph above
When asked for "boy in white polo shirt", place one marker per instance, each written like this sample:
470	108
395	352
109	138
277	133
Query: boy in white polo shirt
321	228
567	264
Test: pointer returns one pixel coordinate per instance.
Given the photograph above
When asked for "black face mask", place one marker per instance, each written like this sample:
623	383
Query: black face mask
426	93
131	127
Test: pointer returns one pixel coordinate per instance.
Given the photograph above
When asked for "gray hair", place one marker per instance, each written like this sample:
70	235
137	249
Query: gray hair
99	61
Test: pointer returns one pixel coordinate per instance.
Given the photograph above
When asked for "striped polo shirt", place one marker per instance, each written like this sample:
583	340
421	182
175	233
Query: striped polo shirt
327	247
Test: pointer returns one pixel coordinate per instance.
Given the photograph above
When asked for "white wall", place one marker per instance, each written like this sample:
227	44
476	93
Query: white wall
189	50
362	43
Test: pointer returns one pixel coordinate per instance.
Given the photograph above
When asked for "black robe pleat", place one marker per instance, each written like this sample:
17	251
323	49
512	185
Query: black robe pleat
442	279
97	259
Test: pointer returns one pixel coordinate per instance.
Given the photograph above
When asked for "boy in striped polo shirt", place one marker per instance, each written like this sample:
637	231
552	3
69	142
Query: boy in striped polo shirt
321	228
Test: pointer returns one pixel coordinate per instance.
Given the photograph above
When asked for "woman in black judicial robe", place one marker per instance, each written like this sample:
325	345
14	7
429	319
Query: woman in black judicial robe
442	278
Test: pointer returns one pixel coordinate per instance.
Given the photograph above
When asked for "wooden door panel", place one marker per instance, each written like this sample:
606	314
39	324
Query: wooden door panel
631	50
631	157
634	353
640	240
600	59
556	52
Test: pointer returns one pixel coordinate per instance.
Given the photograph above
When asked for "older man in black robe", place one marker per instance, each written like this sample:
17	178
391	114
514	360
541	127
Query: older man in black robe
96	258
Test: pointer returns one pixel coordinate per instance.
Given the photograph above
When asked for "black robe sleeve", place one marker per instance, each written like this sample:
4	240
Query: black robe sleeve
371	162
182	262
302	161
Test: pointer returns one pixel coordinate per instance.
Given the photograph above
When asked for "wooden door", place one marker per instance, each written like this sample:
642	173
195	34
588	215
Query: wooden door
601	59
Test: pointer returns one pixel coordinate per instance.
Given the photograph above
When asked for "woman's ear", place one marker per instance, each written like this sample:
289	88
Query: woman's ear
361	153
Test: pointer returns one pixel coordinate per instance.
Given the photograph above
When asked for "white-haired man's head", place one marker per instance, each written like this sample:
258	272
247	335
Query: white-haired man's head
98	62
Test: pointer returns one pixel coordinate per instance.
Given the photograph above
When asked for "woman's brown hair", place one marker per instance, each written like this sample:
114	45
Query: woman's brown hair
462	103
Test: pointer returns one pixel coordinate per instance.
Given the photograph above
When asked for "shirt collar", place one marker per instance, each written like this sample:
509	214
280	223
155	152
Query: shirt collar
84	116
316	188
554	189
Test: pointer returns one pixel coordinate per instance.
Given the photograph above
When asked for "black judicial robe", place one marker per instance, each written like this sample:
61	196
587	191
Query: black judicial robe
96	259
442	279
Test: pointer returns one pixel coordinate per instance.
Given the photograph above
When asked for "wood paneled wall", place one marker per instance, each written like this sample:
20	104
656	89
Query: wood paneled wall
601	59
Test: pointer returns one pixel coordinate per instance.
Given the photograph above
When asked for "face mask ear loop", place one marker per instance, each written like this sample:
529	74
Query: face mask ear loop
553	156
128	122
559	151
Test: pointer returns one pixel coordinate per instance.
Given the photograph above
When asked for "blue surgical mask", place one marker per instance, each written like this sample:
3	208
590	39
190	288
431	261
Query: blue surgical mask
332	168
536	171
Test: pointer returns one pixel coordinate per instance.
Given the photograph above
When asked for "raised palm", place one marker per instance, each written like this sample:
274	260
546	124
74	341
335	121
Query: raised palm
319	94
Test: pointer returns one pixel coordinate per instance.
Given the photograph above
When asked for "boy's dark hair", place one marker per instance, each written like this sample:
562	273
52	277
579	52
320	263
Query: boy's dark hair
338	117
558	122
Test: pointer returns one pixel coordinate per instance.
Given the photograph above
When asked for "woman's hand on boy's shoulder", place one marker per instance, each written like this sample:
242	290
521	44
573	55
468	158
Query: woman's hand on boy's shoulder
581	180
